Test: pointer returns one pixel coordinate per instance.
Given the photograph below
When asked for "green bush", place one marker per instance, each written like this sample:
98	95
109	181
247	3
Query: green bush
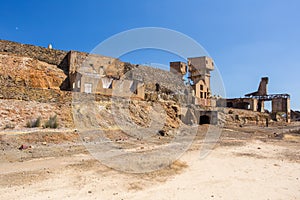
51	123
34	123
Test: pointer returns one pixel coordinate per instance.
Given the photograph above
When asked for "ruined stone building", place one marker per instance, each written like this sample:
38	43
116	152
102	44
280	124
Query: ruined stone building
82	72
48	75
255	101
178	67
198	69
101	75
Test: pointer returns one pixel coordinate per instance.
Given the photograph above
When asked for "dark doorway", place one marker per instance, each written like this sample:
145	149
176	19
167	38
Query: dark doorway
229	105
243	105
204	119
259	106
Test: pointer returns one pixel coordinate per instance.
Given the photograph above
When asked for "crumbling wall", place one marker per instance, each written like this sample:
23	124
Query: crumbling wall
178	67
194	115
239	103
168	81
282	105
262	88
244	117
95	64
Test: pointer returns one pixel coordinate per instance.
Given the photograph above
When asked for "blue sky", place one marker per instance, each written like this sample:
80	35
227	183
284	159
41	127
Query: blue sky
247	39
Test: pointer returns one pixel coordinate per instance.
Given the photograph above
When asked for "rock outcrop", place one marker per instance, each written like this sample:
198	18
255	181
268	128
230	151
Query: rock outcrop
17	71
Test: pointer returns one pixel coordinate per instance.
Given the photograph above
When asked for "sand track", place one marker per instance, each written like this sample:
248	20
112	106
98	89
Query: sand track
243	165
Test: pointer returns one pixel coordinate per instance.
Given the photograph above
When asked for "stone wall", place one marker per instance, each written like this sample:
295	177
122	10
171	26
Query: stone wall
239	103
95	64
282	105
244	117
168	82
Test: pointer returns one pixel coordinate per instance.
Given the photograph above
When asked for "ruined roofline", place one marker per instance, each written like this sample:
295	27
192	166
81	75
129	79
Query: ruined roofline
93	54
177	62
200	57
200	63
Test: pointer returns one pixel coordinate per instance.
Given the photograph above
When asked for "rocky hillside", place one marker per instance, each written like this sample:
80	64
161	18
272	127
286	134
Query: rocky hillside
34	81
17	71
31	78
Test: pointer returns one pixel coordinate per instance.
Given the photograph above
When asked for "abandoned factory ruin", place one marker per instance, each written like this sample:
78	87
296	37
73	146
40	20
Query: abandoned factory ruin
39	75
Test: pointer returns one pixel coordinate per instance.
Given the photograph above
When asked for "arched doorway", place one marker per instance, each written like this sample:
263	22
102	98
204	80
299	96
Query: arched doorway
204	119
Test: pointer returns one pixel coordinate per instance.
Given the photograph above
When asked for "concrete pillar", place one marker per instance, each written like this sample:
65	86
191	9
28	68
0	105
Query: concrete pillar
261	106
254	105
288	110
282	105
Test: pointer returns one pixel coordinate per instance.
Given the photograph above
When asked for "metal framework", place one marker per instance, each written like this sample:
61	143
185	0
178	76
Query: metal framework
271	96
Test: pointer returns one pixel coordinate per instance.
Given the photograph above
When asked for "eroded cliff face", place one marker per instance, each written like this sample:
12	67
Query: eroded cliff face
30	89
17	71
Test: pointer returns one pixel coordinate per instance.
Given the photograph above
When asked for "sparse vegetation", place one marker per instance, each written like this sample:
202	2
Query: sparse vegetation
34	123
9	126
297	131
51	123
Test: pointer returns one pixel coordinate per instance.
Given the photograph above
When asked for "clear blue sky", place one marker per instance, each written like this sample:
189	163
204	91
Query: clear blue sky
247	39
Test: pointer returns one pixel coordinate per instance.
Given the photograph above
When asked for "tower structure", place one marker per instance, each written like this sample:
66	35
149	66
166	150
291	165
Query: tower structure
199	69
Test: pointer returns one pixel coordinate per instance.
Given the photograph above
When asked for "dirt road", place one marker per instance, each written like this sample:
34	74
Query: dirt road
251	168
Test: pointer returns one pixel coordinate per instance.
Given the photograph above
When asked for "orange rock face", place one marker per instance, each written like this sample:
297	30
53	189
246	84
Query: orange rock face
28	72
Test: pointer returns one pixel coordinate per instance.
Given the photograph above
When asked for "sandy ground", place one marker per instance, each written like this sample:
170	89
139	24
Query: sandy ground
247	163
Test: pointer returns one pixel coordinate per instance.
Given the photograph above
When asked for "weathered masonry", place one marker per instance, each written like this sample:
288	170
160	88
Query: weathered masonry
255	101
198	116
101	75
84	72
198	70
